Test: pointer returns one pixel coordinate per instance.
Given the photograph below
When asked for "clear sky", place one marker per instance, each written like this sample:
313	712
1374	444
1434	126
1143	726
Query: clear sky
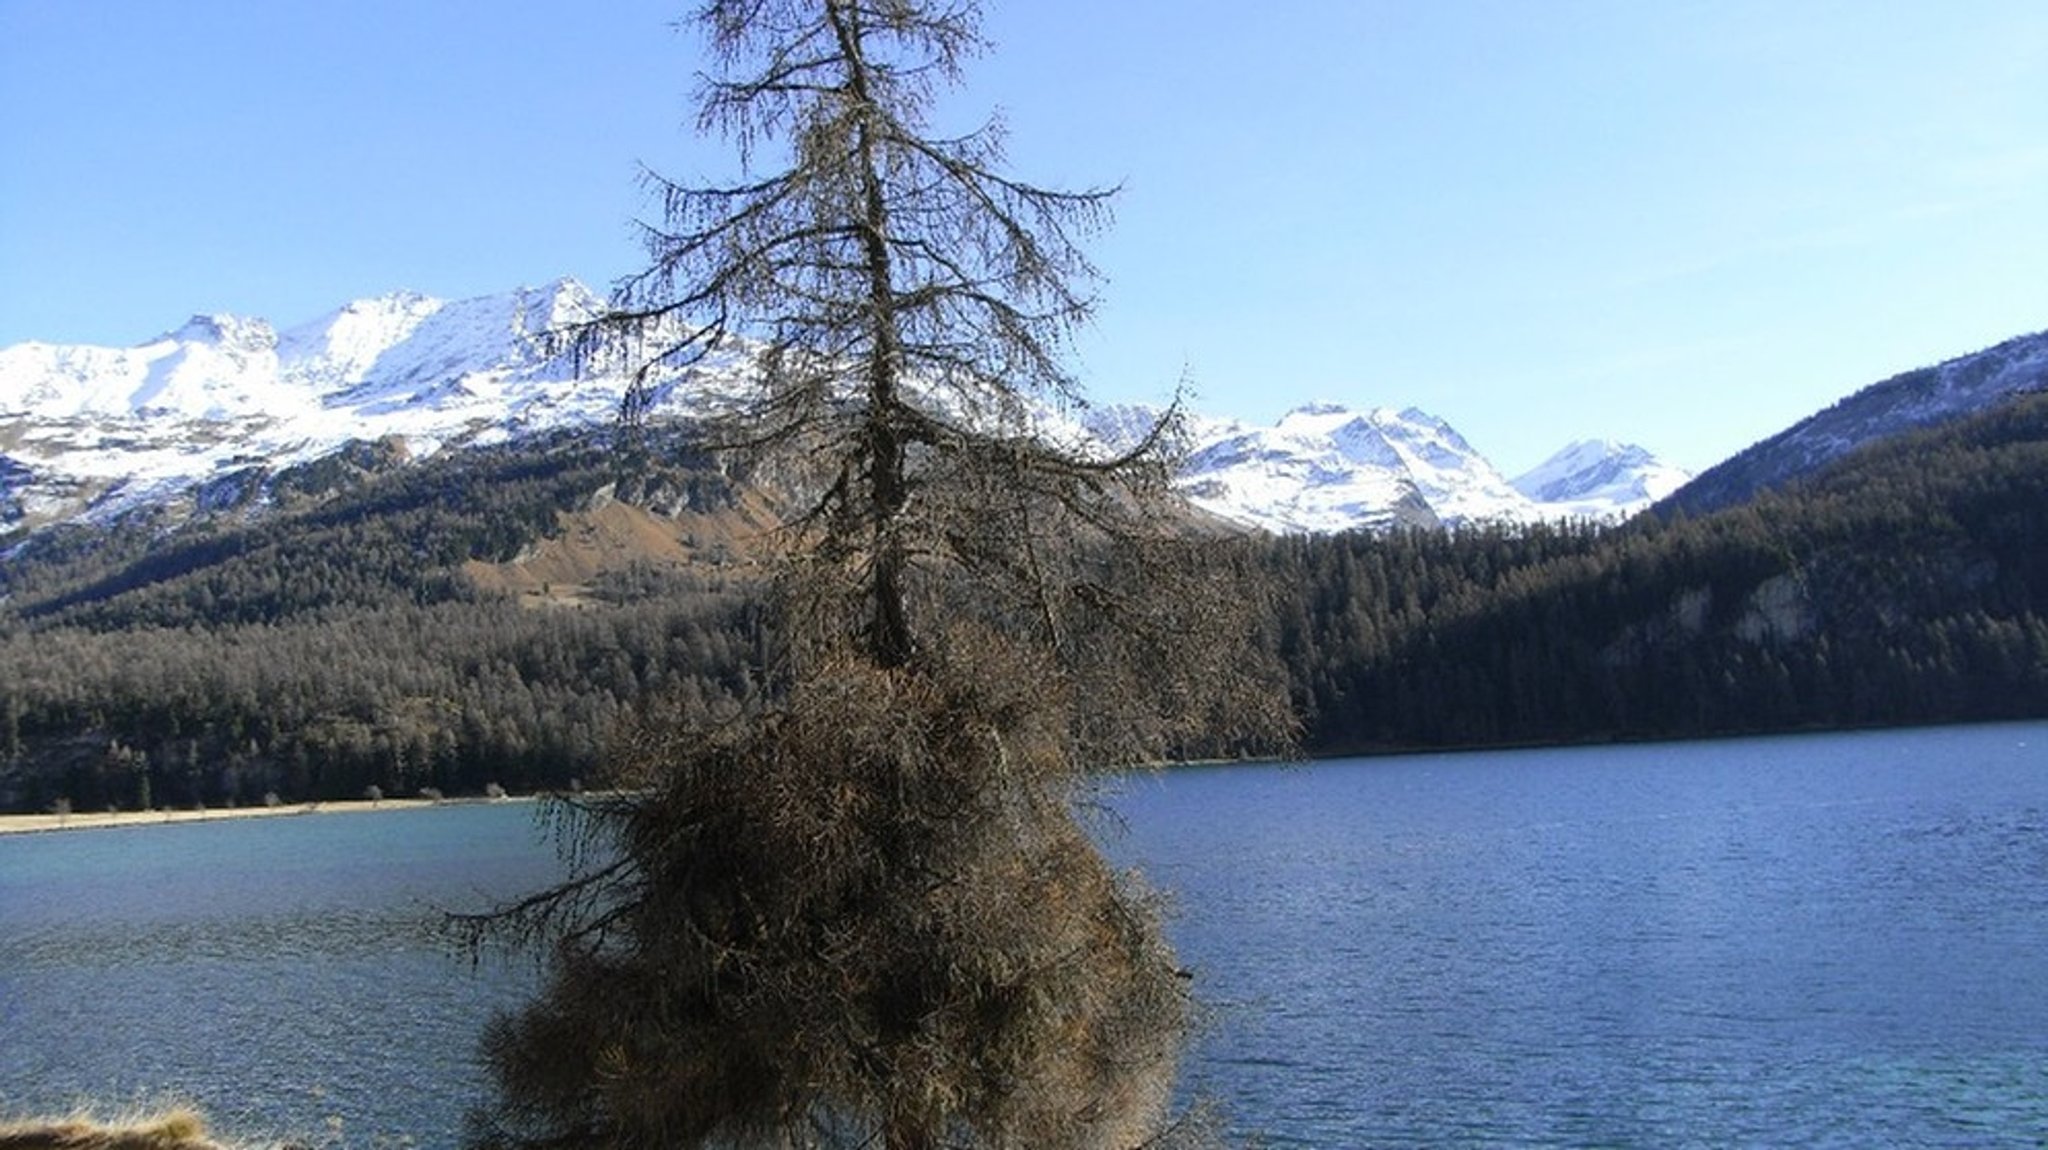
1682	223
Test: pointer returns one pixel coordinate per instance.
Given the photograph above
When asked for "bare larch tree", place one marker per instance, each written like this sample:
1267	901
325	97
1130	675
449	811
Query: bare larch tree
863	913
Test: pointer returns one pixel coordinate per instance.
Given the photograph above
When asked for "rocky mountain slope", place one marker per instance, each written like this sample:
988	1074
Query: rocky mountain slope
207	415
1927	397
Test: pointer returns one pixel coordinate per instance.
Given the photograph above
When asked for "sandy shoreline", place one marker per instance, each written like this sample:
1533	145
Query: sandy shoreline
98	820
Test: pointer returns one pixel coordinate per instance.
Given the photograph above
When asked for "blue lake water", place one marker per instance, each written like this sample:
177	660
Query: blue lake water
1812	941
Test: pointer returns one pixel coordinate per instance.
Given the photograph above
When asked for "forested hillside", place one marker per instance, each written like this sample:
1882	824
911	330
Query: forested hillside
486	617
343	642
1908	583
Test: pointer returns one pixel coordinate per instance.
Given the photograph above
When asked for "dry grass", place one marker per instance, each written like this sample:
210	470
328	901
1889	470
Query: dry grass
586	544
178	1128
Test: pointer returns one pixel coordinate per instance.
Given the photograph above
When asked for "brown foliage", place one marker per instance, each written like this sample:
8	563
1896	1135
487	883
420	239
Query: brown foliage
868	910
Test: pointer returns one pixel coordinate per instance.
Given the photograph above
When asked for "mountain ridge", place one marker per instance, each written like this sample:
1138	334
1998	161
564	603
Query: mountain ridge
92	432
1914	400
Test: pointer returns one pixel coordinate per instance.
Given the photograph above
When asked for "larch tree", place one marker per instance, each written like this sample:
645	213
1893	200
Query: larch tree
863	912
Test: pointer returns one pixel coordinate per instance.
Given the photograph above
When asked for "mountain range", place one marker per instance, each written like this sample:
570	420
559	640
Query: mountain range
413	556
204	414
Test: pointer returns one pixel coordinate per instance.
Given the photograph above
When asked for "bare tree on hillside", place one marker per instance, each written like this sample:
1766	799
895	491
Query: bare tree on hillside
863	914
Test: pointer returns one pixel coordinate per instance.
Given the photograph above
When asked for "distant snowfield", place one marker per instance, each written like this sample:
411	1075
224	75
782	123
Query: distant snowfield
95	432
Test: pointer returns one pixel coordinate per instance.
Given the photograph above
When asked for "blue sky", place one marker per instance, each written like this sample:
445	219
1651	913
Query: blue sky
1683	223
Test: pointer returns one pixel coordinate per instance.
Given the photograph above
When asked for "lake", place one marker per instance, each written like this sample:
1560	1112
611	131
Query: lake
1832	940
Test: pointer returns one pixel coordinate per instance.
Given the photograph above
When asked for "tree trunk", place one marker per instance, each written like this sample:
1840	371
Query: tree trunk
890	639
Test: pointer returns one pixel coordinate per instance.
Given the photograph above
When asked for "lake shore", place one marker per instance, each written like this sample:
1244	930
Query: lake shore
101	820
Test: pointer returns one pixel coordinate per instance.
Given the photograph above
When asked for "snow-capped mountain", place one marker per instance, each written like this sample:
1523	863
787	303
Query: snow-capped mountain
94	432
1593	477
1917	399
1326	467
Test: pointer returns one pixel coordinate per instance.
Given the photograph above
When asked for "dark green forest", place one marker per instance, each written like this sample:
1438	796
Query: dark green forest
1907	584
334	642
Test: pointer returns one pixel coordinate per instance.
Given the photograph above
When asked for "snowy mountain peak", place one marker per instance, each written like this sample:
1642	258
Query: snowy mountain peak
1123	427
1315	408
566	300
343	345
225	331
1593	476
1416	417
1326	467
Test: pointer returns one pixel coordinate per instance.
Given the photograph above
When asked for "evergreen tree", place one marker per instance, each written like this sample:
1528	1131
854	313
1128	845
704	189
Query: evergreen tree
863	914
